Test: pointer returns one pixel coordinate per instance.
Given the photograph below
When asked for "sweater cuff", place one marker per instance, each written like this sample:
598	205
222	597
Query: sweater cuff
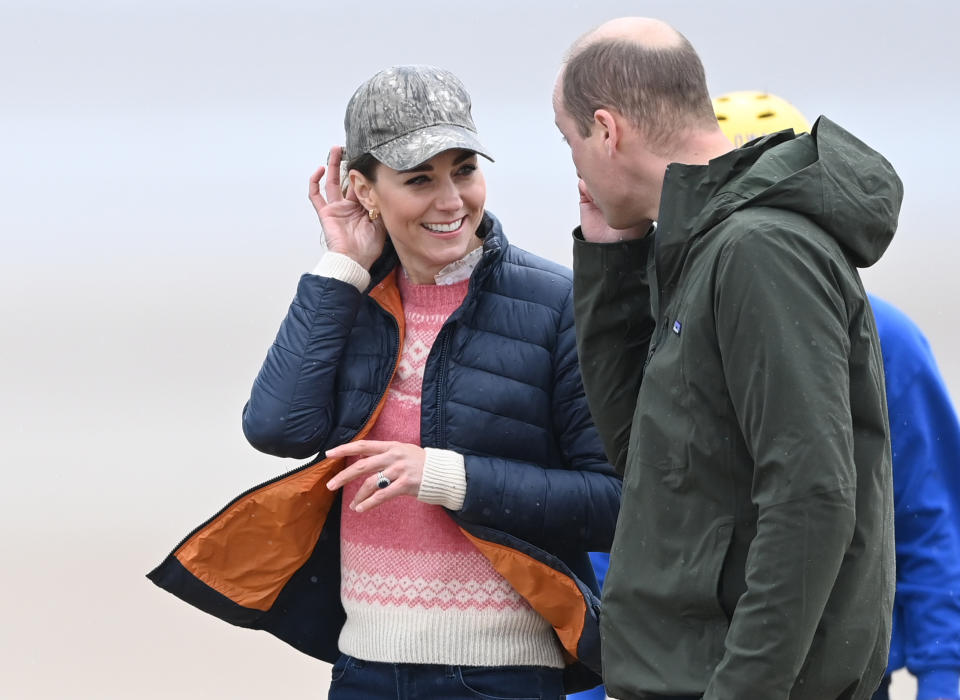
344	268
938	684
444	481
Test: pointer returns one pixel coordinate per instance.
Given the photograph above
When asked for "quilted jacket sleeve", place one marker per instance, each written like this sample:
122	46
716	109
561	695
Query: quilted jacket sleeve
290	411
568	506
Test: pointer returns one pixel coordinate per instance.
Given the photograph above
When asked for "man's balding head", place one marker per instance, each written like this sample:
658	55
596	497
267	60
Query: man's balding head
642	68
652	33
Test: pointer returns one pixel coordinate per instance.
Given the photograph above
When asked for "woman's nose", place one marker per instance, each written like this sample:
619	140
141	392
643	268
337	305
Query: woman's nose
449	199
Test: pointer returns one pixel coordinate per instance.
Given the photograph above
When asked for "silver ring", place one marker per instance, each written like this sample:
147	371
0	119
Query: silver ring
382	481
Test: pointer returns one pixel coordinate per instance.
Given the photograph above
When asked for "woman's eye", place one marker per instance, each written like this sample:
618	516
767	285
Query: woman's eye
418	180
468	169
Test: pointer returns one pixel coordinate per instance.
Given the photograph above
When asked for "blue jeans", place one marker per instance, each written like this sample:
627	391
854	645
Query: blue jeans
354	679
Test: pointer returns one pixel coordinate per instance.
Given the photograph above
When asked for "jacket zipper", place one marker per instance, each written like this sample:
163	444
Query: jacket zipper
440	372
316	460
655	340
445	332
396	361
661	325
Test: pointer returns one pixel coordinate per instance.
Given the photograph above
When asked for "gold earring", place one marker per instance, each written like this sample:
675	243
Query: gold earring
373	214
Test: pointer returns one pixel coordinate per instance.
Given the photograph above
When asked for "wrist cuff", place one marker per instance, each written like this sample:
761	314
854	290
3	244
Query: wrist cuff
344	268
444	481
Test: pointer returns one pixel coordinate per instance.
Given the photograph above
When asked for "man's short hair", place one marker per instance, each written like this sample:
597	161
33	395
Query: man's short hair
661	90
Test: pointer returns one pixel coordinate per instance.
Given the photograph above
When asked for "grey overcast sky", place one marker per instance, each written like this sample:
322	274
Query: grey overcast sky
153	212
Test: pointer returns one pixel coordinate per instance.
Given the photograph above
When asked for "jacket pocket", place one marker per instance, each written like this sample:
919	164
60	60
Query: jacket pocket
704	618
704	603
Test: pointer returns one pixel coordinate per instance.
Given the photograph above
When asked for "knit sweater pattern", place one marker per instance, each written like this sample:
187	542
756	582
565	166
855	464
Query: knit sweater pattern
414	588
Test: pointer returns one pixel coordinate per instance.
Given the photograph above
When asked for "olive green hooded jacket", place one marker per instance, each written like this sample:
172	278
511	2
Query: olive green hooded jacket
732	367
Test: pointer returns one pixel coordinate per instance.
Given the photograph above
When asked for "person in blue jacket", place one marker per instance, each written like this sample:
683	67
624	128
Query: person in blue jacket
925	437
436	544
925	441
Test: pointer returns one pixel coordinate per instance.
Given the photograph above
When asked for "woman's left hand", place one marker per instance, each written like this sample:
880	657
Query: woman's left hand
400	462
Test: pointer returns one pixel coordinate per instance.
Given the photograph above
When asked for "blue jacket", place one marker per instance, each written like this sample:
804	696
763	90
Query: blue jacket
501	387
925	437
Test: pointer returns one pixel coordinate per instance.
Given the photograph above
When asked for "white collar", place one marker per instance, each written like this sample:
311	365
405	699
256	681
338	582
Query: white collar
461	269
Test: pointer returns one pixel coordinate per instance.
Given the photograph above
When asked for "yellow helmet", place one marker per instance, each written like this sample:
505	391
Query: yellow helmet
746	115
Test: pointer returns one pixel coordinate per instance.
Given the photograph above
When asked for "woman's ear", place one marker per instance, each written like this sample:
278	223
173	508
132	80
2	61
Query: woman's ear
363	188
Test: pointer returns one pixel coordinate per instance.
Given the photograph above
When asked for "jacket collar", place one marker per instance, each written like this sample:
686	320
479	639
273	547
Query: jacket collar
689	189
694	199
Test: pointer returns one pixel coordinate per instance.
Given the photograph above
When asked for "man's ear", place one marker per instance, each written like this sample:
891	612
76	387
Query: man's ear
363	188
609	129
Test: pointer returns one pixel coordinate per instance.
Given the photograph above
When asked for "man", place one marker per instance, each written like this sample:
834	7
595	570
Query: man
732	366
925	436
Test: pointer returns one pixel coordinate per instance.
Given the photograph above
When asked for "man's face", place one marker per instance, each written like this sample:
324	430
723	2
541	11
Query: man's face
583	150
594	166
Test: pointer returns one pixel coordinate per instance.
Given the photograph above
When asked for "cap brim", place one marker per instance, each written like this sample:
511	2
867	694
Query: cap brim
412	149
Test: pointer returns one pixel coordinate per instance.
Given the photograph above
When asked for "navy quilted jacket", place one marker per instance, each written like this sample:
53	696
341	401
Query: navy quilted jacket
501	387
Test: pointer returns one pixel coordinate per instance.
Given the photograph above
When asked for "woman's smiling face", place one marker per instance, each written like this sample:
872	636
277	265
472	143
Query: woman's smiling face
431	211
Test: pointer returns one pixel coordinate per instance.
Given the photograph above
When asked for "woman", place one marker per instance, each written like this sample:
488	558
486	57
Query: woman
433	366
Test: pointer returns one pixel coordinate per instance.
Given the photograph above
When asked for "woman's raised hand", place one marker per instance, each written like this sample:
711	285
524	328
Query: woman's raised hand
346	225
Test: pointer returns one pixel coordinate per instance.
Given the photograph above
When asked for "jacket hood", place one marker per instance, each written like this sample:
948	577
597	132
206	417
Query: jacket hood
828	175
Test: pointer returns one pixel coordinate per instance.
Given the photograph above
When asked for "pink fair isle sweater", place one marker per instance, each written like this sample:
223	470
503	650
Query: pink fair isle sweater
416	590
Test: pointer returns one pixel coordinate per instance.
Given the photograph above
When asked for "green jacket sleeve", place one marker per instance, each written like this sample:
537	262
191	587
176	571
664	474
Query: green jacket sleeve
782	327
614	325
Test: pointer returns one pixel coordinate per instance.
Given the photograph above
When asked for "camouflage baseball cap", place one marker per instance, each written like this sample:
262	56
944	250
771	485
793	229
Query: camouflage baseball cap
406	115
